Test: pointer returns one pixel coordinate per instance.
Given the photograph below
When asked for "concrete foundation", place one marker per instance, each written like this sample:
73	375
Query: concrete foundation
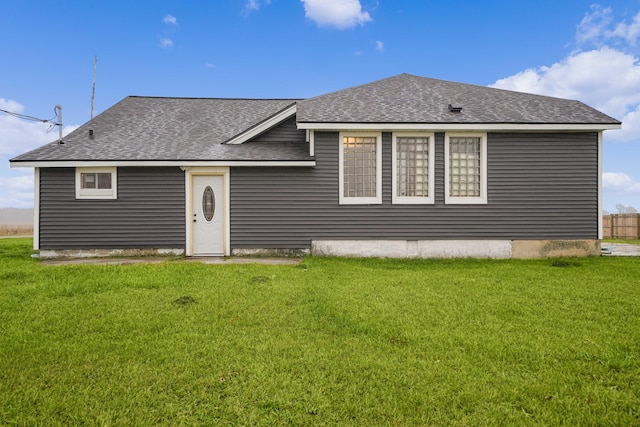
101	253
497	249
271	252
413	248
554	248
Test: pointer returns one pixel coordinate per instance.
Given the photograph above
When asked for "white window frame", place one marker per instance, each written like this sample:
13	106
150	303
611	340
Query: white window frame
396	199
377	200
482	199
97	193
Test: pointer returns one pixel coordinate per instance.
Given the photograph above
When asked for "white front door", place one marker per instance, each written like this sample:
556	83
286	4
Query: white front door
208	215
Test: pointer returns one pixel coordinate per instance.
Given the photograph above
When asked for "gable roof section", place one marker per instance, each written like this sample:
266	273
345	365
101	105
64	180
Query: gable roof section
174	129
263	126
407	99
213	130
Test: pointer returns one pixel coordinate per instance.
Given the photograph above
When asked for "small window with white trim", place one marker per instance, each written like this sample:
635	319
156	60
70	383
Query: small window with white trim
465	168
96	183
360	162
413	168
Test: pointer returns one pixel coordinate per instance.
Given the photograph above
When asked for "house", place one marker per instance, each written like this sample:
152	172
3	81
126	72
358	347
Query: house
406	166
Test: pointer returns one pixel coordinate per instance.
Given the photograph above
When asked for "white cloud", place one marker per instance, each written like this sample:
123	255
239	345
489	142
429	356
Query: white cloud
9	105
628	32
336	13
587	76
209	65
18	183
598	28
619	181
170	19
379	46
594	24
16	191
630	128
166	42
254	5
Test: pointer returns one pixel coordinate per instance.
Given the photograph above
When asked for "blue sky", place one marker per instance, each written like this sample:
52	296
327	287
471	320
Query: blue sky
291	48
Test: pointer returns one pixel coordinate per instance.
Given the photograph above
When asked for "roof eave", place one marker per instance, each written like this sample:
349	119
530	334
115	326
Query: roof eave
460	126
158	163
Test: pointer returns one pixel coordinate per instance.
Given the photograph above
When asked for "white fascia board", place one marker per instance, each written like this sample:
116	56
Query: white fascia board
459	126
124	163
266	125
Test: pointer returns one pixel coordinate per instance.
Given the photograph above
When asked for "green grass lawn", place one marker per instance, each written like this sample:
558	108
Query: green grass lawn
360	342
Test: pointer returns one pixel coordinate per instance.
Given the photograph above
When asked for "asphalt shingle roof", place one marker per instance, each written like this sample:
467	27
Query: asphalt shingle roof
195	129
411	99
149	128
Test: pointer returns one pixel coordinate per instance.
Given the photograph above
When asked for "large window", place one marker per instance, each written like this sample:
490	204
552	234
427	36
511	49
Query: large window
96	183
413	168
360	168
465	168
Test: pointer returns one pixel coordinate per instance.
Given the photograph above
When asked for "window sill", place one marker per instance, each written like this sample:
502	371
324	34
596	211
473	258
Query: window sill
360	201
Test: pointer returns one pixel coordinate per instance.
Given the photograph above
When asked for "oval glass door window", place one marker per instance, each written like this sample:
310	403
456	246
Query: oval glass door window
208	204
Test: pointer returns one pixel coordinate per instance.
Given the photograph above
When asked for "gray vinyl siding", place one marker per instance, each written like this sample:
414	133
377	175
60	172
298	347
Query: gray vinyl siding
287	131
540	186
148	213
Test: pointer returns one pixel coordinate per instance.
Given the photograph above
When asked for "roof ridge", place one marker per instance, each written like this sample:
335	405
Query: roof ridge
214	98
357	86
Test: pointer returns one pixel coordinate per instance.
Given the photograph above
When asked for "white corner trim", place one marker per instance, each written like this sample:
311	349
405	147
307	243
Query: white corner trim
36	209
390	127
263	126
600	224
395	199
227	207
453	200
312	142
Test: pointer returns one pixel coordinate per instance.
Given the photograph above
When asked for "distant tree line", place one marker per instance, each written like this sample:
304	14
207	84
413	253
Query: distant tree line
622	209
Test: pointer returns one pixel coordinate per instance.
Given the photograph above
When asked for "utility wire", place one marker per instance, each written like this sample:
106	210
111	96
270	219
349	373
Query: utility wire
33	119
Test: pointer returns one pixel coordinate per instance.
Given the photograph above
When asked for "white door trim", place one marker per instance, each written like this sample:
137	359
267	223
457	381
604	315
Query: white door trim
189	173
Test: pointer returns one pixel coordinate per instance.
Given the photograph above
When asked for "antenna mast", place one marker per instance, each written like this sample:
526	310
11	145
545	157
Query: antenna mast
93	92
59	124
